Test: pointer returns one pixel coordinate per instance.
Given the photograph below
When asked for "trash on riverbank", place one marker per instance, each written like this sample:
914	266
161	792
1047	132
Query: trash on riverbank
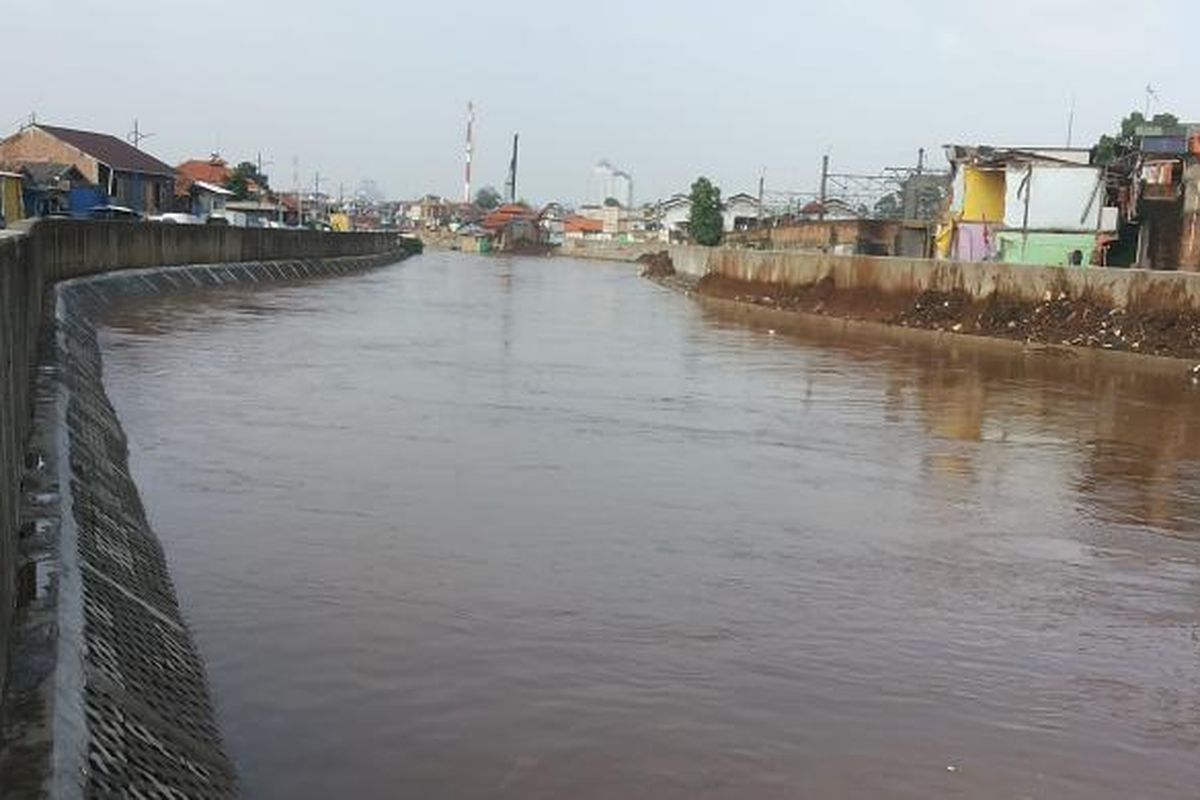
1058	319
656	265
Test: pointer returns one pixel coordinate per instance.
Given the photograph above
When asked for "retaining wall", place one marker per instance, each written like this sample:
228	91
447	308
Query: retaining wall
73	463
609	251
1121	288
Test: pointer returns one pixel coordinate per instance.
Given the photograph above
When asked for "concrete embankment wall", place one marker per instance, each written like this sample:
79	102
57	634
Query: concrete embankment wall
609	251
105	684
1120	288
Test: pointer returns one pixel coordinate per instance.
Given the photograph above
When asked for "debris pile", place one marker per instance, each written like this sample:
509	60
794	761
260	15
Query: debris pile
1059	319
657	265
822	297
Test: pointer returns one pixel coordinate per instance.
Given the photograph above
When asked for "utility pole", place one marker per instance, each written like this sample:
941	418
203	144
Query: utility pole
320	206
296	184
512	171
824	183
762	180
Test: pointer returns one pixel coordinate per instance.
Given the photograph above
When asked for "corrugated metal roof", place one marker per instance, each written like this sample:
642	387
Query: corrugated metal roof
47	172
120	155
212	187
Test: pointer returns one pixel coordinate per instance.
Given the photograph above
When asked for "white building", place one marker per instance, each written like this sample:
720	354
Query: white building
740	211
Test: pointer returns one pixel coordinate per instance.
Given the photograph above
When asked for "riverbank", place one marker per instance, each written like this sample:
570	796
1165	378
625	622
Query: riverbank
1144	315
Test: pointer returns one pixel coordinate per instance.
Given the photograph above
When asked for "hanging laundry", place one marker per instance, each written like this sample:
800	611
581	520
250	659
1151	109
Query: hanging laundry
974	242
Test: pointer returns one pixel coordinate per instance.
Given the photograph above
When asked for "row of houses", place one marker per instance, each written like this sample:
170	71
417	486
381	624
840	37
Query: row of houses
49	170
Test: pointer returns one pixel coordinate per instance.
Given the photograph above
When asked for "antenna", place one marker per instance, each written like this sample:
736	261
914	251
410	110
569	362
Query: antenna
470	150
1150	93
135	136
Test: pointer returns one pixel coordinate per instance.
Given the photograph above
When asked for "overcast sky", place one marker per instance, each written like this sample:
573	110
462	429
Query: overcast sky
665	90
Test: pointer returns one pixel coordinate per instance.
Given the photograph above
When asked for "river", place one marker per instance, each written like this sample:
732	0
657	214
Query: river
487	527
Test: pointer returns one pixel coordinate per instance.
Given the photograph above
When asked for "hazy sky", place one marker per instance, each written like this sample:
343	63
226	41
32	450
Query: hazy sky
666	90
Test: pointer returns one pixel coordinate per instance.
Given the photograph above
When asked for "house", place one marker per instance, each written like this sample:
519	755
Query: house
121	173
673	218
845	237
252	213
552	221
430	212
740	211
212	170
832	208
1043	205
206	200
1157	188
580	227
512	225
48	187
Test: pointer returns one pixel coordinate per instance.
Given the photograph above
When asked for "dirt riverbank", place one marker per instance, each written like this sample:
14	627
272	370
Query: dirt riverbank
1058	319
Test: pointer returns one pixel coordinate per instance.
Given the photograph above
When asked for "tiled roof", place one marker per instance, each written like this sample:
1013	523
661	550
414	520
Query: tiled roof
506	214
204	169
119	155
577	224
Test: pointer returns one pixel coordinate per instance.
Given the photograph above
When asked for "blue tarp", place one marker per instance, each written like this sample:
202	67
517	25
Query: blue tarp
84	198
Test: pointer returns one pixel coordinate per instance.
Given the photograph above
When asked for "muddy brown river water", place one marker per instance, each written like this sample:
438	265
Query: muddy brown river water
520	528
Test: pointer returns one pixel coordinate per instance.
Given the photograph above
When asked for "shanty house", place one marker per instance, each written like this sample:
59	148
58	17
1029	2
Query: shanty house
1025	206
48	187
123	174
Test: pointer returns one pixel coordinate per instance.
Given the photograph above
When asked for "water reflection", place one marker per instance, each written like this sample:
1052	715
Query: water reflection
1135	431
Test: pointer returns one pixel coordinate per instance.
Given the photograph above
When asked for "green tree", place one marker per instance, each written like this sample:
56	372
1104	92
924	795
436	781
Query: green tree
612	202
705	221
487	198
1109	147
241	178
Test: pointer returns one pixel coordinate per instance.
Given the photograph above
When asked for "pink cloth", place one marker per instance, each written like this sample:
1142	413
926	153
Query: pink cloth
973	241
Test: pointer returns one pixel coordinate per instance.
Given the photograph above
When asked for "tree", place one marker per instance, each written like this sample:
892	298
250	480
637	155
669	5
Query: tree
1109	147
243	175
487	198
890	206
705	221
612	202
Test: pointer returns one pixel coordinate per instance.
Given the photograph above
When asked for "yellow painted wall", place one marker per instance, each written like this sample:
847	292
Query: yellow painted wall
11	202
983	195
